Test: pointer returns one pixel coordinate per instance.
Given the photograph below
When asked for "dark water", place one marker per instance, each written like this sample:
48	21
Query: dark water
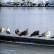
33	18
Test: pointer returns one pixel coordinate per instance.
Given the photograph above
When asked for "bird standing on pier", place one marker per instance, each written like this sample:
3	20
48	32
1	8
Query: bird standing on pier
8	31
24	33
17	31
2	29
21	33
35	33
46	34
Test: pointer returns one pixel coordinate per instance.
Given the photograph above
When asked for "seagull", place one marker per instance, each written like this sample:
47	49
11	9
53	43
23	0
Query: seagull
17	31
8	31
46	34
25	32
2	29
35	33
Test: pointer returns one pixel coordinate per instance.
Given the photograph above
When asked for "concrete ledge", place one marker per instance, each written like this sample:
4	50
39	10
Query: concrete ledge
26	40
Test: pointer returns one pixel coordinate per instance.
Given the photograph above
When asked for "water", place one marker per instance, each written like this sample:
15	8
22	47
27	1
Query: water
38	18
6	48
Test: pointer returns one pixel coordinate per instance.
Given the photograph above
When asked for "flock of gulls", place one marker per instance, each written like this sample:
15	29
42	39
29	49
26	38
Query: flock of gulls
25	32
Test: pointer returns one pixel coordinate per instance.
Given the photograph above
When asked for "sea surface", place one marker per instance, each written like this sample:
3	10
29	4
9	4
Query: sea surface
33	18
7	48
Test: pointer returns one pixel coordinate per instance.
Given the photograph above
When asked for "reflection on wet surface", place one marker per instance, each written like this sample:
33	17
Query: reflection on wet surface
6	48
